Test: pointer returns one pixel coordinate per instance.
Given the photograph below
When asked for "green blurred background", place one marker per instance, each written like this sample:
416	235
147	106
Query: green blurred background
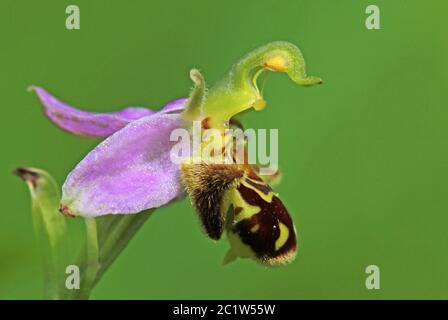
364	156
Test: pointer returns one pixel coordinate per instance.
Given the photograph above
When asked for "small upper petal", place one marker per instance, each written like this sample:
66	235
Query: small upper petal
92	124
128	172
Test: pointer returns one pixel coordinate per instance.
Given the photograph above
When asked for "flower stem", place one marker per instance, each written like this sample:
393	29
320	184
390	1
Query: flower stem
106	237
92	253
88	264
115	238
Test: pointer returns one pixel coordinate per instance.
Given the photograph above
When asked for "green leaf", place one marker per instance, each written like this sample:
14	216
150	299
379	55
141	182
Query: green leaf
106	238
50	228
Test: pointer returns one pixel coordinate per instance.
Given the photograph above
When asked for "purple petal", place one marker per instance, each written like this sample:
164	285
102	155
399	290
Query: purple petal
91	124
129	172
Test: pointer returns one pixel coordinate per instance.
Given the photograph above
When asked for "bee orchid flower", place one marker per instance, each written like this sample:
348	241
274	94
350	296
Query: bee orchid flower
131	170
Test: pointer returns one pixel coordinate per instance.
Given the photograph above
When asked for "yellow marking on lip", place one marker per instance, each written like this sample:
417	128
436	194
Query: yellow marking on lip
255	228
283	237
234	197
266	197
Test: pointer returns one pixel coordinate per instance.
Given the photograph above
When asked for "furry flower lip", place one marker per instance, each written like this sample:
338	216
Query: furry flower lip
131	171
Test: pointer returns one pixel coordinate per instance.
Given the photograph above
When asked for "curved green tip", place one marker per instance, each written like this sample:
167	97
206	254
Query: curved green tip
238	90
